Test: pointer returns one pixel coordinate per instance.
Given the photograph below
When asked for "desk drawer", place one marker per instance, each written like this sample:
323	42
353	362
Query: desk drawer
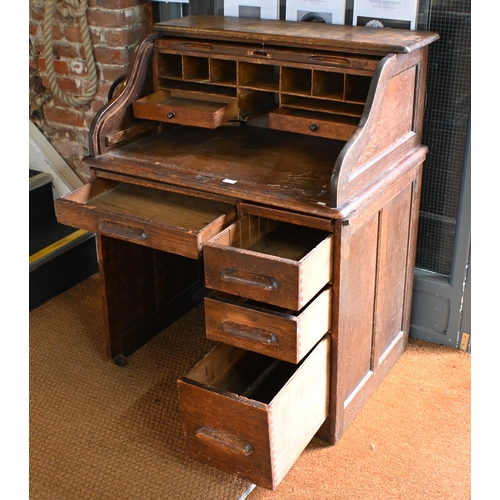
159	219
313	123
251	415
279	333
280	264
186	108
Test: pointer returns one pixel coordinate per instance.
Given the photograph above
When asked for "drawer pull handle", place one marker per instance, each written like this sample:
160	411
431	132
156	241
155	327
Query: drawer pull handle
248	333
232	275
122	231
197	46
260	53
337	61
313	127
224	440
171	115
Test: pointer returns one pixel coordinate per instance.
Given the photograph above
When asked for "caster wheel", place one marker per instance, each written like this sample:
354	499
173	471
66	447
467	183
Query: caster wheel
120	361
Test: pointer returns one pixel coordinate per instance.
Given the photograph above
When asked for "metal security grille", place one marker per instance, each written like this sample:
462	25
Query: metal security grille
446	127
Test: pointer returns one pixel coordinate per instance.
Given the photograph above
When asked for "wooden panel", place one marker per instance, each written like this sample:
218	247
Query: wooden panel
395	117
250	415
357	299
282	334
304	406
391	273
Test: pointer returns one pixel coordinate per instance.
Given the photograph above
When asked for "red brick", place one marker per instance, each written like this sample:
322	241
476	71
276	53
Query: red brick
97	104
38	46
65	133
116	38
33	62
57	33
111	73
64	116
59	103
60	67
73	34
68	149
79	68
110	19
37	14
67	85
122	38
111	56
69	52
102	90
118	4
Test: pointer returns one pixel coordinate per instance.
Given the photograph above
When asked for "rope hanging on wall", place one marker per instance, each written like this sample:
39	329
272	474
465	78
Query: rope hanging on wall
78	10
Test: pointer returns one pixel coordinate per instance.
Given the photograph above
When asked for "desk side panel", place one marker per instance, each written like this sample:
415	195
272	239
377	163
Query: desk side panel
373	268
390	128
114	125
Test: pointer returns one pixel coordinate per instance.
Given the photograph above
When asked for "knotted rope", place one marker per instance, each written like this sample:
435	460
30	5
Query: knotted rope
78	10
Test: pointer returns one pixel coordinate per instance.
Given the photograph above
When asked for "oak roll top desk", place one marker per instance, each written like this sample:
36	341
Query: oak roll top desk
272	170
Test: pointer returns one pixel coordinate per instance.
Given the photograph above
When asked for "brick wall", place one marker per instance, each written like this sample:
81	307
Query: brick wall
116	27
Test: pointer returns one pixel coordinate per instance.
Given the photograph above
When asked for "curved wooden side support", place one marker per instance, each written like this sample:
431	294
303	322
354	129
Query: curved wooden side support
115	124
390	128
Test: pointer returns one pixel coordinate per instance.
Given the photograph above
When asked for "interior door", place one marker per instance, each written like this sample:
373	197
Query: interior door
441	301
441	308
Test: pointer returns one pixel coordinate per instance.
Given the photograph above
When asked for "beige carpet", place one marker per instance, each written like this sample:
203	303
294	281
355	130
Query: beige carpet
98	431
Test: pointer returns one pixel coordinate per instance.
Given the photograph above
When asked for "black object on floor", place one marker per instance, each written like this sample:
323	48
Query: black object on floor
60	256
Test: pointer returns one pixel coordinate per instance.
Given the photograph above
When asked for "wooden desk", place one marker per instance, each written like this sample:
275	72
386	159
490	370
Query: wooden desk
271	169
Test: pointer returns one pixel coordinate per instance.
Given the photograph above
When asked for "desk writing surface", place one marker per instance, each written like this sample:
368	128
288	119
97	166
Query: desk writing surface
277	168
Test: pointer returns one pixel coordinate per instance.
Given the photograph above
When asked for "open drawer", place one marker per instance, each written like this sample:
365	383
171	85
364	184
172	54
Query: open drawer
276	332
186	108
251	415
264	260
313	123
166	221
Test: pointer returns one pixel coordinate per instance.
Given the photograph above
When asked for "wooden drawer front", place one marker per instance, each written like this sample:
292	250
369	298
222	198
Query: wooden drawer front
162	220
251	415
260	259
257	52
304	122
281	334
186	108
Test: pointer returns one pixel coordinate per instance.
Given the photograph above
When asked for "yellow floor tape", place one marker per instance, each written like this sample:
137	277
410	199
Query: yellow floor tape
58	244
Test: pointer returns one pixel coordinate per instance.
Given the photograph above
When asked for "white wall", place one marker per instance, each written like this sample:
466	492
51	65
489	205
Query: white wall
44	158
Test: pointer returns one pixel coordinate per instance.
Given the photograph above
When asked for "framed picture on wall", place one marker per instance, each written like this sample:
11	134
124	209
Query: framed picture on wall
316	11
256	9
385	13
